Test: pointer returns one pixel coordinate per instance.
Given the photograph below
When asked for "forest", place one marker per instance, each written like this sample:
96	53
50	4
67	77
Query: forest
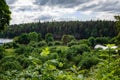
59	50
79	29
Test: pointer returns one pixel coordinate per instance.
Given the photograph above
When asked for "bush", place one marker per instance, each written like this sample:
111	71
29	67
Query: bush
24	50
71	43
67	38
42	44
14	65
2	50
8	45
33	44
102	40
62	51
57	43
79	49
24	61
49	37
92	41
88	60
22	39
51	43
84	41
33	36
11	45
10	63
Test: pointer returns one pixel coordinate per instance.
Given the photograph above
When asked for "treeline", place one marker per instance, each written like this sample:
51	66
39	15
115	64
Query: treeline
79	29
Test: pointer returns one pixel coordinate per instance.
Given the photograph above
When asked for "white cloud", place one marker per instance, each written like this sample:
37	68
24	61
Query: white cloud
24	11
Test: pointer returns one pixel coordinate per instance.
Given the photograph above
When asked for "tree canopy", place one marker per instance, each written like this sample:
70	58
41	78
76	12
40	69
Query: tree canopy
4	14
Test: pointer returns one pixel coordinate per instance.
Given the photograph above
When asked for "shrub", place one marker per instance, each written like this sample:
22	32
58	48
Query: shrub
2	50
8	45
24	50
33	44
88	60
33	36
10	63
49	37
71	43
102	40
22	39
79	49
84	41
67	38
14	65
42	44
92	41
51	43
57	43
24	61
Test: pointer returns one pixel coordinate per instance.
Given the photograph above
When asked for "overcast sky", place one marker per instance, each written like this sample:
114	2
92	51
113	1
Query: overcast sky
24	11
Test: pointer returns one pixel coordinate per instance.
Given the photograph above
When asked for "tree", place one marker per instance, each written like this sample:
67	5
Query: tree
4	14
118	23
22	39
39	37
33	36
118	29
49	37
67	38
92	41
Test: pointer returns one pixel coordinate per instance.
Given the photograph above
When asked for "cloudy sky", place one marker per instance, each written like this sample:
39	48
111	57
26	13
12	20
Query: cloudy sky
24	11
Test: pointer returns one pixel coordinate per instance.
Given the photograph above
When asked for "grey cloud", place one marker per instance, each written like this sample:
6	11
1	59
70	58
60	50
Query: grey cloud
61	3
29	8
11	1
84	8
108	6
113	7
44	17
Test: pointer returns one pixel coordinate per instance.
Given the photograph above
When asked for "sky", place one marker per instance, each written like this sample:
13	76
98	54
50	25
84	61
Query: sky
25	11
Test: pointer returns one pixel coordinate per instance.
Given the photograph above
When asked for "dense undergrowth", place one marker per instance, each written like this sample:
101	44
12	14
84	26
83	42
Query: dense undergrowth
34	58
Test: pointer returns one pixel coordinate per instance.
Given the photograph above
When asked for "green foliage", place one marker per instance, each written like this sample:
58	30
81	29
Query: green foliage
11	45
51	60
79	49
102	40
71	43
117	22
4	15
39	37
118	29
67	38
88	60
14	65
2	50
118	39
42	44
33	36
79	29
84	41
8	45
24	61
45	52
51	44
57	43
24	50
106	72
92	41
49	37
33	44
22	39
